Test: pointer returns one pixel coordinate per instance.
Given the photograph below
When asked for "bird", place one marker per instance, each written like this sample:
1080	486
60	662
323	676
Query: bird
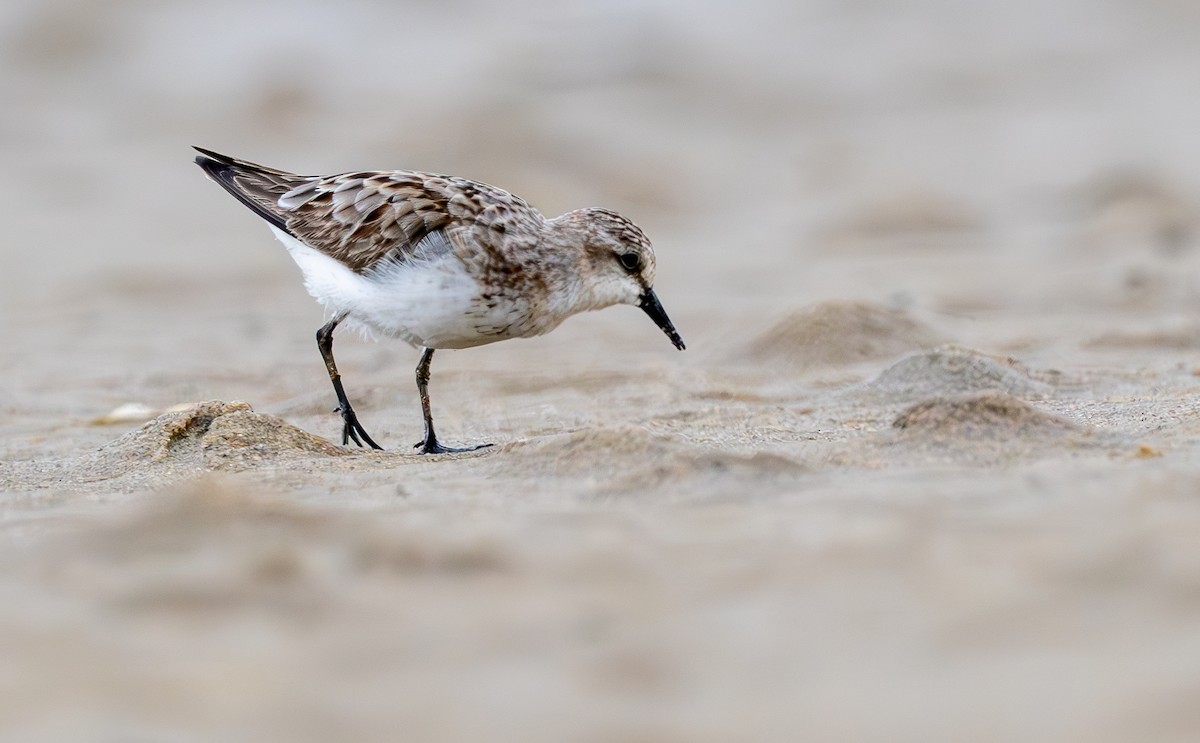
440	261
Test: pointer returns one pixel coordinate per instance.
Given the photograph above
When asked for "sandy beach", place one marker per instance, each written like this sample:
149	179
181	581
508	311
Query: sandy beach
929	469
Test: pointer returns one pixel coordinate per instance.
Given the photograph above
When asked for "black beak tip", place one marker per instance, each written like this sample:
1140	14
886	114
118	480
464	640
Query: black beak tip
652	307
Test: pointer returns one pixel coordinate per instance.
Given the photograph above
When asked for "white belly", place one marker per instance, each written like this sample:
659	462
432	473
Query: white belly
431	303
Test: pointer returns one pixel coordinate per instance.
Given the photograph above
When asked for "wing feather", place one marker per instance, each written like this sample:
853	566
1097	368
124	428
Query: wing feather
362	218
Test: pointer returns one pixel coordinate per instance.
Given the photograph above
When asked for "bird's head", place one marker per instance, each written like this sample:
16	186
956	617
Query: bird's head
620	261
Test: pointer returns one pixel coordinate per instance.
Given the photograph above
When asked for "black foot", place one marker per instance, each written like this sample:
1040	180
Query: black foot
431	446
352	429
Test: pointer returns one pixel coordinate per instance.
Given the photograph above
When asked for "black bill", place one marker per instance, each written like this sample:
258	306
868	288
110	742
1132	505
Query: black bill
650	304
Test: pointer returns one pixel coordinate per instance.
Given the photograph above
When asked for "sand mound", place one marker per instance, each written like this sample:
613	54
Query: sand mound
985	415
930	218
980	429
631	461
836	333
1128	210
600	453
216	435
209	436
951	371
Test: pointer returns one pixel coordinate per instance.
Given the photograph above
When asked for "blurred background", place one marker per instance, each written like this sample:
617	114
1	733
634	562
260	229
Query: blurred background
1021	175
751	139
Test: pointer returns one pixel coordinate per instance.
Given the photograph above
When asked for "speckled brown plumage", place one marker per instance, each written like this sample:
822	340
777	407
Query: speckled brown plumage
364	217
441	261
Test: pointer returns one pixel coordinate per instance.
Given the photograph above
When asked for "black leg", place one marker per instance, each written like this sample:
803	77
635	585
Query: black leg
430	445
351	428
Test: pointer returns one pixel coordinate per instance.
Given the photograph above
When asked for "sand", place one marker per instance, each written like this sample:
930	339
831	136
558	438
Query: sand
928	470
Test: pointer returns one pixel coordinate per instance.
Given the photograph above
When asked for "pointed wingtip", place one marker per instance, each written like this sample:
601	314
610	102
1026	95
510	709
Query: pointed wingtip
226	172
211	163
210	156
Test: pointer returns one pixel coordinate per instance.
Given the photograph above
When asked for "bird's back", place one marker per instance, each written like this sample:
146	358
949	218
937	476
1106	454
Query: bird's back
362	218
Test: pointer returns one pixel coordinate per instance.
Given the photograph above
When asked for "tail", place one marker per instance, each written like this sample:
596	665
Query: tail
256	186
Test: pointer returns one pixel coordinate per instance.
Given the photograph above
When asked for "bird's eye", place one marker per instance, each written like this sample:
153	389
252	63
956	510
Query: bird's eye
630	261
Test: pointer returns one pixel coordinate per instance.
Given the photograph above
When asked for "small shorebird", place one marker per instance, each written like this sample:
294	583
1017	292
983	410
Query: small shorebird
440	262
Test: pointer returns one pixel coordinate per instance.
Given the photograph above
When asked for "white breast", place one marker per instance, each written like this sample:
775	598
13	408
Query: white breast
432	302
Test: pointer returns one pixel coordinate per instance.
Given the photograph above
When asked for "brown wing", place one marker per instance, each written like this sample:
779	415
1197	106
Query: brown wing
362	218
256	186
